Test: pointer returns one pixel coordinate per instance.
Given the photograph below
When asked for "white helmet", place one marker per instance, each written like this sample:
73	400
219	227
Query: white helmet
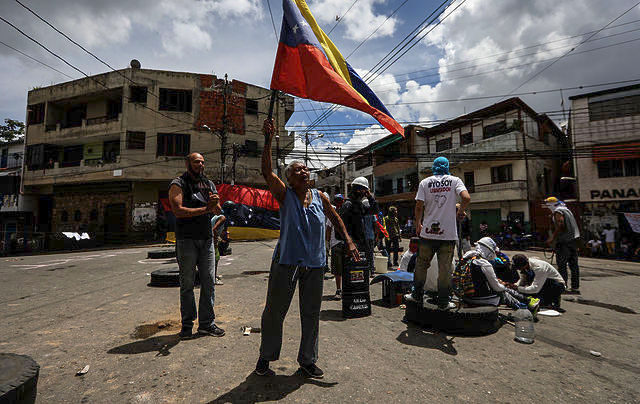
361	181
487	248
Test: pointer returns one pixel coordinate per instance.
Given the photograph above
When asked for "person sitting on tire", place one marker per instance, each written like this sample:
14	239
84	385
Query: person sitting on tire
540	279
487	288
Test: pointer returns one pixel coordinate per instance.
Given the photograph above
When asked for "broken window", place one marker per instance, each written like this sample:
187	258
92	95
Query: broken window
135	140
175	100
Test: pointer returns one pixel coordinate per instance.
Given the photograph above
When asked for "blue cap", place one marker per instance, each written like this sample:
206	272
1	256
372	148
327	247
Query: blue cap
339	196
440	166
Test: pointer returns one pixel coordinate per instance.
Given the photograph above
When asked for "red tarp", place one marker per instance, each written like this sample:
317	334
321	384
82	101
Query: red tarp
258	198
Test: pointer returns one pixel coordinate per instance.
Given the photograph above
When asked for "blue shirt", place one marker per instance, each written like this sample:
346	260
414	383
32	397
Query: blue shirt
302	232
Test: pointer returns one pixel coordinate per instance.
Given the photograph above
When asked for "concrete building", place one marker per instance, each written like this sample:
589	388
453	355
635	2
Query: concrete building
102	150
16	209
508	157
605	129
331	180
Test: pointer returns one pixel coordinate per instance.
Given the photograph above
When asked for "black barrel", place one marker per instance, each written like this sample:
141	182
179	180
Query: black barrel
356	301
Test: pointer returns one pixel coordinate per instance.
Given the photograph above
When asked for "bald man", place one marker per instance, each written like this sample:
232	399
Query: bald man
194	199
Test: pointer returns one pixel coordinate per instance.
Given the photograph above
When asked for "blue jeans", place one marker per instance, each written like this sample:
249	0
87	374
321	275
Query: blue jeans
192	253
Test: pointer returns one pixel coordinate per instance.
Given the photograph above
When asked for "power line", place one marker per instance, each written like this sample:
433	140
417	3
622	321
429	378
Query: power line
572	49
275	31
36	60
340	18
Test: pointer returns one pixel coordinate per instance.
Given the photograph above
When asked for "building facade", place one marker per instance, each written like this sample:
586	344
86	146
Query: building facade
508	156
605	131
16	209
101	151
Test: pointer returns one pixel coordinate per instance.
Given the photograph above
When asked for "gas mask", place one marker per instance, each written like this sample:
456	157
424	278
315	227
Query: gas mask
365	203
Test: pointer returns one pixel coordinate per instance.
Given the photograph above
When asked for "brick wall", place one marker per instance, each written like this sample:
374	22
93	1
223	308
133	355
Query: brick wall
85	203
211	103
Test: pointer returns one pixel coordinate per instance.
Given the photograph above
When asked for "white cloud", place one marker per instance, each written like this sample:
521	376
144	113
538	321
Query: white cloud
358	22
185	36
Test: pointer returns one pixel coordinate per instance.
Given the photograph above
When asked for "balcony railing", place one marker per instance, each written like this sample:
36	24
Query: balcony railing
500	186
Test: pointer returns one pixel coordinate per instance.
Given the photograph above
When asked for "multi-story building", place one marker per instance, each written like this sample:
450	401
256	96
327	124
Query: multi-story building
102	150
509	158
605	132
331	180
16	209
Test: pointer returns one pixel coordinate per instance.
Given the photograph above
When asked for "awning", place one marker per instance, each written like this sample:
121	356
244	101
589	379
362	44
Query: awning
386	142
619	151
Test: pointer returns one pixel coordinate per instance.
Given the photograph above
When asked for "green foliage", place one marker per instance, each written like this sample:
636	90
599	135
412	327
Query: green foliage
11	130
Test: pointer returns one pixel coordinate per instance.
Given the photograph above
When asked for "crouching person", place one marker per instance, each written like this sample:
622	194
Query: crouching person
540	279
475	280
408	260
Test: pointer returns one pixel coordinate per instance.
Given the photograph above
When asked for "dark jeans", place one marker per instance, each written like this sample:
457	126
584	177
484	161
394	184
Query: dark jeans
551	292
567	253
393	246
189	254
369	245
282	286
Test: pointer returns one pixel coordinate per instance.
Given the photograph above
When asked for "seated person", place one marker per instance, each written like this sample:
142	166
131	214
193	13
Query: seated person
595	246
540	279
502	267
487	289
409	256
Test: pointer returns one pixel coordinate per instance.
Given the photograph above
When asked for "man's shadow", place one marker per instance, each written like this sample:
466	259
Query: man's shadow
425	338
162	344
257	389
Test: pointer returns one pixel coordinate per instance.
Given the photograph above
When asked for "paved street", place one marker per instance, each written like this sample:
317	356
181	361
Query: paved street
95	308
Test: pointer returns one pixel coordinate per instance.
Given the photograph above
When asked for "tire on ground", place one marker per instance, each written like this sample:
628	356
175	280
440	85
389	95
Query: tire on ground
168	277
167	253
481	320
18	378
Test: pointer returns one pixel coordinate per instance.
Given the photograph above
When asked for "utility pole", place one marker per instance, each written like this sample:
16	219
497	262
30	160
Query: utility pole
339	149
306	146
223	131
236	154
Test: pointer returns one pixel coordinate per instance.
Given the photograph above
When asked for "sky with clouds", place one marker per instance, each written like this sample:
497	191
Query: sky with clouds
482	48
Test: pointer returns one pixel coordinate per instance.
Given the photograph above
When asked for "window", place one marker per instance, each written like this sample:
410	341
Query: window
363	162
444	144
495	129
173	144
71	156
114	108
616	108
470	181
77	216
35	114
251	147
93	215
135	140
138	94
64	216
399	186
466	138
412	182
501	174
252	107
619	168
175	100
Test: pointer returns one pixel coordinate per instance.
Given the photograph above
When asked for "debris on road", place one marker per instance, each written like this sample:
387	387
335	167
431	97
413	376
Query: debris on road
595	353
83	371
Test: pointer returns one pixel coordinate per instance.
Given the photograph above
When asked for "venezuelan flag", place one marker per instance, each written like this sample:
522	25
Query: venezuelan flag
309	65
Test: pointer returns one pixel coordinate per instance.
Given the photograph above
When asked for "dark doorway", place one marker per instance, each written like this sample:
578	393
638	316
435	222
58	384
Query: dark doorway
115	223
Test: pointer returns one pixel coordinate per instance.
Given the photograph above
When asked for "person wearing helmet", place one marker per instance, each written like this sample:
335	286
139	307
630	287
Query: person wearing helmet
358	204
298	259
565	236
435	217
487	288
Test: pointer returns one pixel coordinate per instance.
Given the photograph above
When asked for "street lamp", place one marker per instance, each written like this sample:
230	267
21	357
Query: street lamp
307	142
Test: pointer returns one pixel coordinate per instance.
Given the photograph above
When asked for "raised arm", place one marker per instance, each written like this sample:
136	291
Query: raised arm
275	184
338	224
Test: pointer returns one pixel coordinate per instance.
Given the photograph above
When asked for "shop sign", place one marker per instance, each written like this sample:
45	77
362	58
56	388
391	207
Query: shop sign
615	193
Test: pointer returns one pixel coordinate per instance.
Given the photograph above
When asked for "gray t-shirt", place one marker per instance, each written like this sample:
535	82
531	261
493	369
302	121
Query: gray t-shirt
571	231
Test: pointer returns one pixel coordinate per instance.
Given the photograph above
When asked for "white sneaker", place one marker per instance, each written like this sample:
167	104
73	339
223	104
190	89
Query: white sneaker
448	306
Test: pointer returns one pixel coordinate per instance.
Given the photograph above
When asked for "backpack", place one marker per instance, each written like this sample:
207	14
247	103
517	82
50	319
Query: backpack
462	279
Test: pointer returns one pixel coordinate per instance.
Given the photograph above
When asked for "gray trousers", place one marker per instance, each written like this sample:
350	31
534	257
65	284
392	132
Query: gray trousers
282	285
189	254
426	250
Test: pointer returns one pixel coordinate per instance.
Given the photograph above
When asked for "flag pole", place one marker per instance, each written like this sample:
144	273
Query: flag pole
274	95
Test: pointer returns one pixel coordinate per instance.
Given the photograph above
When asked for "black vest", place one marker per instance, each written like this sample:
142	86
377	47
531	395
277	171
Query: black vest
480	282
194	195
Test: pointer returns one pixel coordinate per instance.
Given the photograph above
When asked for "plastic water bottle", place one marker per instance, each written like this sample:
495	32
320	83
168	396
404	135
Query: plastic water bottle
524	326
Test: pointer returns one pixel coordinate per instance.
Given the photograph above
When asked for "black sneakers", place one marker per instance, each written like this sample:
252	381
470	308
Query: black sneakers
262	368
185	333
312	371
213	331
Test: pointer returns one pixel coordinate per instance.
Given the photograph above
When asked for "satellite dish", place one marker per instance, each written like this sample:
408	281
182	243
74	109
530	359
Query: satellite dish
135	64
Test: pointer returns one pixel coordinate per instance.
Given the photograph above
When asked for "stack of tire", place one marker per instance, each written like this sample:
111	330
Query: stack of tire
356	301
164	253
168	278
18	378
473	321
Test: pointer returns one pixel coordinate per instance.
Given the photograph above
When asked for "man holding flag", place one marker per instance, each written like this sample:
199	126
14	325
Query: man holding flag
307	65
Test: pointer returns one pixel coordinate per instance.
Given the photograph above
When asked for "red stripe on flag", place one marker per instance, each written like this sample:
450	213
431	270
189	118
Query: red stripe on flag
305	72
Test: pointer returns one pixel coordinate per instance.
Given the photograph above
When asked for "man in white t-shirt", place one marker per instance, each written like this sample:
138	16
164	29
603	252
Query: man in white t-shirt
435	216
609	238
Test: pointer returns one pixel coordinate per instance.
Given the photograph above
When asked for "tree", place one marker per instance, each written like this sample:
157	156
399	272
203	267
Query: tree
11	130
